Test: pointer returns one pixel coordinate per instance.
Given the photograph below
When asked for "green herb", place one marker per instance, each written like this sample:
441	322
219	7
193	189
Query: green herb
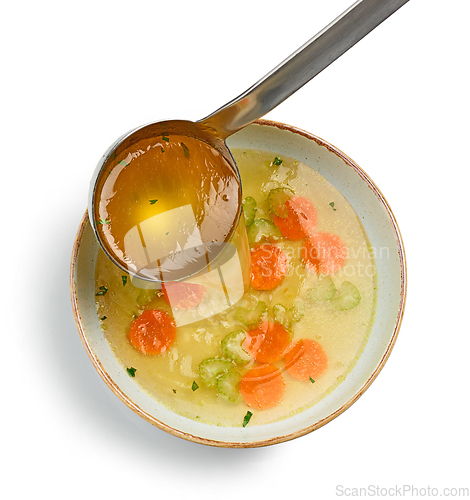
174	390
185	149
311	380
332	205
103	318
166	138
166	234
104	221
131	371
277	161
194	387
124	280
152	202
123	163
162	150
103	291
247	417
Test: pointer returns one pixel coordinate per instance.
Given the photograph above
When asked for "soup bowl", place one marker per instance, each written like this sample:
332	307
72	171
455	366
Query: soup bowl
385	240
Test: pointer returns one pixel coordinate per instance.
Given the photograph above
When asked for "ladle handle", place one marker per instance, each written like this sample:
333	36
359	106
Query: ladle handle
299	68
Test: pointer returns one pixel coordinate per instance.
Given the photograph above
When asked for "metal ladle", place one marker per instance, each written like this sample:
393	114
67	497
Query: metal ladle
309	60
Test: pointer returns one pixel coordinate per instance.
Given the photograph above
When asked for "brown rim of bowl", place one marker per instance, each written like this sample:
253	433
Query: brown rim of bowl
265	442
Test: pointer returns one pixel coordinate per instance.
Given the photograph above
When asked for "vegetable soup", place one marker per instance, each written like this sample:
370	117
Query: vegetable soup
292	337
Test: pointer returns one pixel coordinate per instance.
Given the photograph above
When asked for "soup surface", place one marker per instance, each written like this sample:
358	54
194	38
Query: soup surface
294	335
162	201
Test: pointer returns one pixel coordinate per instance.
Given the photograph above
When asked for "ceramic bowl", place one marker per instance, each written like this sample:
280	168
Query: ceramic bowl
383	233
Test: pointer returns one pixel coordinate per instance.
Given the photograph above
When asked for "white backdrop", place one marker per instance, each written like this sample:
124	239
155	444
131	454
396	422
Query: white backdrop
75	76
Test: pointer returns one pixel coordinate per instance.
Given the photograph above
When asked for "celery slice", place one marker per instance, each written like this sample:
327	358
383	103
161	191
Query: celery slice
146	295
349	298
251	317
262	230
232	347
228	384
249	209
324	290
210	369
287	317
277	201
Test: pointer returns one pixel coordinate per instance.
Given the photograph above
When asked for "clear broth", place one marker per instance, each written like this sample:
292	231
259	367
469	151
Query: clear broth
169	377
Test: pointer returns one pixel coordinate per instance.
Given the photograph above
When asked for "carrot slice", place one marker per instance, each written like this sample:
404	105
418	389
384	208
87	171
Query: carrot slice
262	387
300	221
152	332
267	343
306	360
181	295
268	267
324	253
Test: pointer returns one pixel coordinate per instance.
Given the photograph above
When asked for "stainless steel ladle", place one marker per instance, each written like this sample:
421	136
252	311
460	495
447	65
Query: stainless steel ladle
309	60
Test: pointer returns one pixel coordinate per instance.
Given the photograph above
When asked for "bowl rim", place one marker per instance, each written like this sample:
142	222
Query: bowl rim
309	428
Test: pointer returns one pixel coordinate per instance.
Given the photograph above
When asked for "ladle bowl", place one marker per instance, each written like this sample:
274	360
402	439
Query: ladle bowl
194	258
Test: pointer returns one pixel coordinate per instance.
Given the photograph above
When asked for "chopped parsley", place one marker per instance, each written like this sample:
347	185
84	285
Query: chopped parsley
185	149
103	290
152	202
103	318
174	390
104	221
247	418
124	280
311	380
277	161
194	387
166	234
131	371
123	163
332	205
162	150
166	138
